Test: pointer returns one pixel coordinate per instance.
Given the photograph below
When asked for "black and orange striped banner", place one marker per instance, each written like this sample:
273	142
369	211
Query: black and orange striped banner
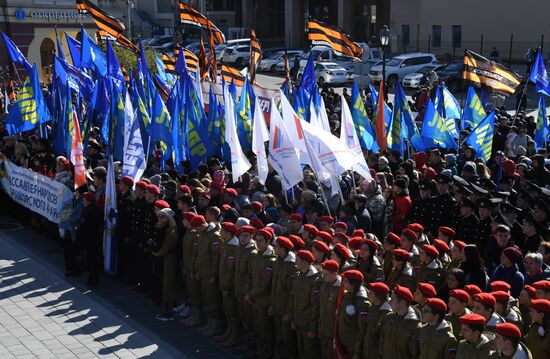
190	16
169	63
480	71
322	34
232	74
10	90
203	61
255	55
81	7
212	63
191	61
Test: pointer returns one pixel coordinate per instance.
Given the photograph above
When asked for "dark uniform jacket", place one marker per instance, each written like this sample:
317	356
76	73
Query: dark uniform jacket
284	270
437	342
328	298
305	300
483	349
399	335
371	343
352	321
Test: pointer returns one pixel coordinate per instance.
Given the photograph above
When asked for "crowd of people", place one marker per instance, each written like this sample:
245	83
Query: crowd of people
439	256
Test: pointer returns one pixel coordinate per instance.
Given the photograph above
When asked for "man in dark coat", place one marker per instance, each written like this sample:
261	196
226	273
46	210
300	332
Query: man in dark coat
89	235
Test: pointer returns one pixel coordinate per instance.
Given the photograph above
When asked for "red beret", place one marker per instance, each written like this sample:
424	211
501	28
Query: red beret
353	274
472	319
460	294
257	223
161	204
379	287
205	195
226	207
459	244
500	285
229	227
342	236
330	265
296	217
485	298
508	330
285	242
541	305
322	246
355	242
404	293
325	236
305	255
430	250
129	181
416	227
410	234
341	225
231	191
447	230
264	233
441	246
542	285
185	189
141	185
297	240
327	219
257	206
198	220
427	290
246	229
359	233
531	291
400	253
373	246
342	250
501	296
513	254
437	304
89	196
393	238
189	215
153	189
472	289
311	229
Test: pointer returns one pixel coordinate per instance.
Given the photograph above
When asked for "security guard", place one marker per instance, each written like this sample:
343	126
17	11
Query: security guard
378	297
328	298
476	344
421	207
436	336
443	205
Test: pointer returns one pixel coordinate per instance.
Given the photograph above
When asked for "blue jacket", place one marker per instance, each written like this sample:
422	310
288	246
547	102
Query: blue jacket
510	275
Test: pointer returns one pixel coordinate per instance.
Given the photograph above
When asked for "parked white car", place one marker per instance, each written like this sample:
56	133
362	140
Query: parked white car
329	73
400	66
270	63
417	79
239	55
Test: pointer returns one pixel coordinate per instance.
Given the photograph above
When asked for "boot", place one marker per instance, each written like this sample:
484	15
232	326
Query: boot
233	339
214	329
226	334
205	327
194	319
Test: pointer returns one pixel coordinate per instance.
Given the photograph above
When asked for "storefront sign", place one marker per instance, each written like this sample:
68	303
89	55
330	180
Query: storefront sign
49	15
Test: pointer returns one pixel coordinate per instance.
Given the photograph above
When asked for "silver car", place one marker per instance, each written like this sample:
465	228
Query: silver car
417	79
329	73
270	62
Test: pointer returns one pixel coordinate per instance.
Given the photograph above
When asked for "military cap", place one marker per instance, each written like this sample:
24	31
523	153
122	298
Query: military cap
501	296
161	204
437	304
499	285
342	250
330	265
311	229
401	254
297	241
379	287
430	250
541	305
472	319
229	227
393	238
404	293
427	290
484	203
460	294
485	298
322	246
508	330
305	255
447	231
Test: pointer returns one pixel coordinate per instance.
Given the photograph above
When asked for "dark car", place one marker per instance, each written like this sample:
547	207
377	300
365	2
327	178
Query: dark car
451	75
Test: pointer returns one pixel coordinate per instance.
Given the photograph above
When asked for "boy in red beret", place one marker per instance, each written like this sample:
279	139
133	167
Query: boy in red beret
436	336
508	341
476	344
328	298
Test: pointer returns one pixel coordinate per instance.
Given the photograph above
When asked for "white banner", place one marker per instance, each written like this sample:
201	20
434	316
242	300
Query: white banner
38	193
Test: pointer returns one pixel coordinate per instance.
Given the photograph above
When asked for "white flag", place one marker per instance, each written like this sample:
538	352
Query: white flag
319	119
239	162
133	163
109	219
128	118
260	136
348	135
283	156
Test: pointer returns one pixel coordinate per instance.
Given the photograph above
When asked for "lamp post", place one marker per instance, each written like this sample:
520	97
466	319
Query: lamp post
384	41
130	6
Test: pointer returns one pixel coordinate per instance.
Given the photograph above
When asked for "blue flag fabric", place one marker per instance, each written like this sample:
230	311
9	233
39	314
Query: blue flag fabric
59	128
308	85
60	51
245	115
539	76
541	130
113	67
75	49
402	115
481	138
214	122
473	112
434	131
309	82
30	110
443	103
174	106
92	56
15	54
76	79
161	126
181	65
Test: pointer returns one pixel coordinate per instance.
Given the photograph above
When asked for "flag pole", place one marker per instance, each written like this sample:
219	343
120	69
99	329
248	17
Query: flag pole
148	147
520	100
17	73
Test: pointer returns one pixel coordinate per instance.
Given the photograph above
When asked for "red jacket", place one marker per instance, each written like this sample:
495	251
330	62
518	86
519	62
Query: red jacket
402	208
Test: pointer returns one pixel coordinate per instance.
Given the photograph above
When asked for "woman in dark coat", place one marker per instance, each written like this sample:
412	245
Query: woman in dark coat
89	235
474	268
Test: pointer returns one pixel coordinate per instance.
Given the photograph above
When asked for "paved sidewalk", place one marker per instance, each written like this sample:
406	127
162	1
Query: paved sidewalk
43	316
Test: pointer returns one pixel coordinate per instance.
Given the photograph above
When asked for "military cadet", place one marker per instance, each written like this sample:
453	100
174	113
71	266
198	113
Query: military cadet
531	234
430	270
226	275
192	284
537	339
295	225
526	295
342	255
391	242
484	305
408	240
468	224
325	237
328	298
308	235
325	223
402	273
508	342
259	295
436	337
444	250
505	309
476	344
305	306
284	270
125	202
378	297
423	292
368	262
320	251
446	234
458	307
421	207
542	289
158	262
399	332
443	205
456	254
149	231
243	281
483	233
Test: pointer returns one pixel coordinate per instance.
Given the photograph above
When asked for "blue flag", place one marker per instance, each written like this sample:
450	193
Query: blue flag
92	56
245	115
481	138
75	49
76	79
30	110
434	131
361	121
309	82
402	114
60	51
442	103
214	122
15	54
473	112
181	65
113	67
541	130
161	125
539	76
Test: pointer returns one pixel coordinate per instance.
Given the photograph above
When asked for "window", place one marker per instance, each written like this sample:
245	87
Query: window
405	34
436	35
456	31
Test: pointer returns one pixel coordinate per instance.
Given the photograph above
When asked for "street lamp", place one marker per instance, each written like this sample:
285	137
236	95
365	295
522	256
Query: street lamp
384	41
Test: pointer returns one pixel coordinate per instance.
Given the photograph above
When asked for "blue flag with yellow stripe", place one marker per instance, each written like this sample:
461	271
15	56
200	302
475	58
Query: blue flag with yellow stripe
361	121
245	115
407	127
541	129
481	138
434	130
30	110
473	112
